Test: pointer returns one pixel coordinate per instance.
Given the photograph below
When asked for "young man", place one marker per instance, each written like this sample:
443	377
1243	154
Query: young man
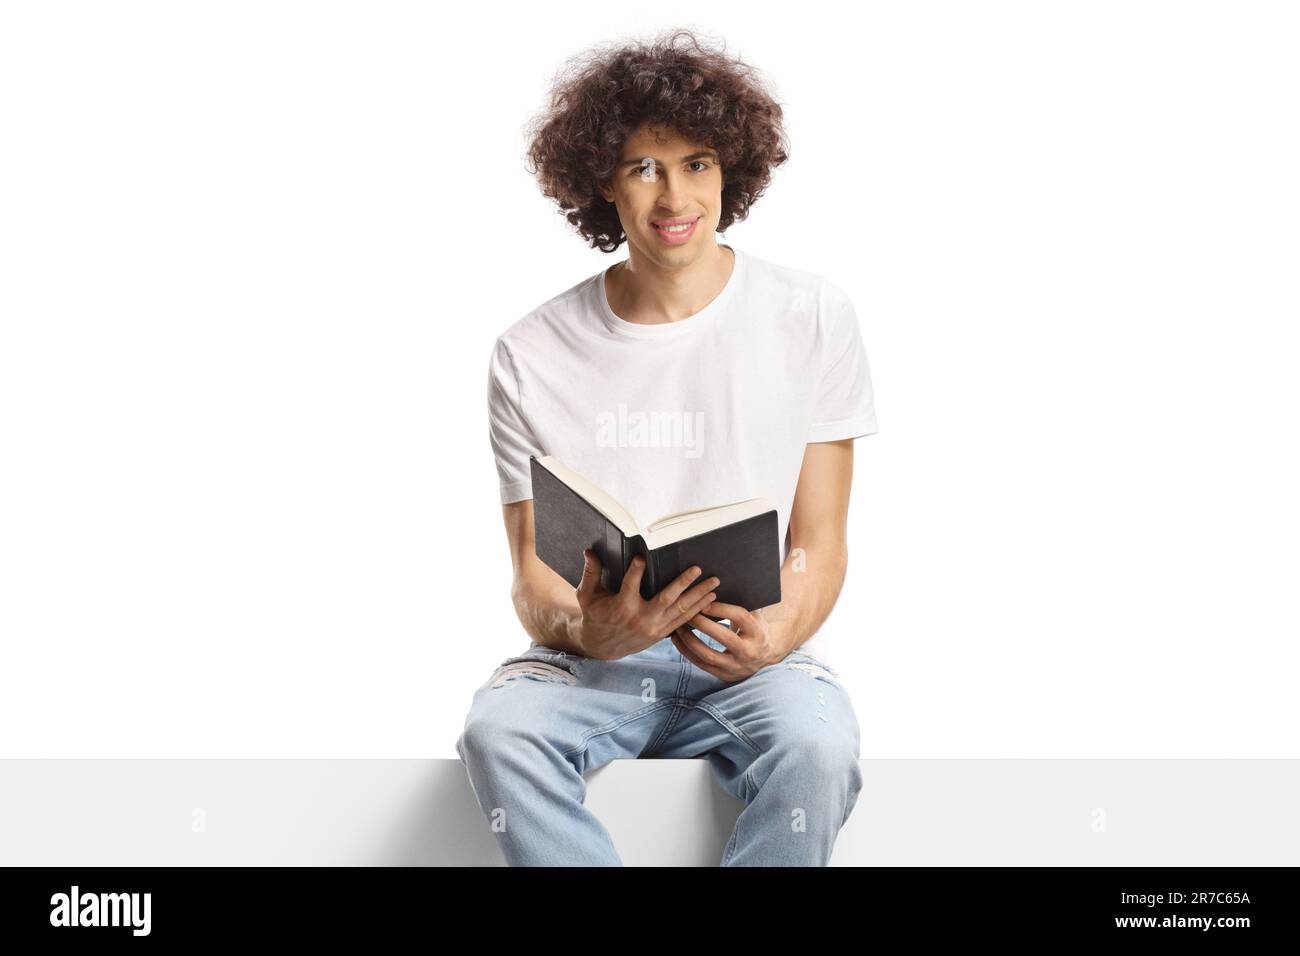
763	369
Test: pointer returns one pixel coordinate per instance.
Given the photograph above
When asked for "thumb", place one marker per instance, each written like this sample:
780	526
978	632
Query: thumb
590	582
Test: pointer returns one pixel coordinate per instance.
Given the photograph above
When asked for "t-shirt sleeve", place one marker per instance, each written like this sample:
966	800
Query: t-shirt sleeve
845	406
510	434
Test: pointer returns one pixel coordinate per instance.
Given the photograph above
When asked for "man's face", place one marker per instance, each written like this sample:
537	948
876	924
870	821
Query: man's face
663	180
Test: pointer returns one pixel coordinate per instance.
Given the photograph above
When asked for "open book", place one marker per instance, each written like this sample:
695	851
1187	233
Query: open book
736	543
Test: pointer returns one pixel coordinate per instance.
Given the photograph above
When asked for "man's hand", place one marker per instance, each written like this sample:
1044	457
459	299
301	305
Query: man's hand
617	624
749	645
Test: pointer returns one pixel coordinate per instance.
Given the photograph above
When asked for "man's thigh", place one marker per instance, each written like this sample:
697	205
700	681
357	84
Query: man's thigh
798	704
590	711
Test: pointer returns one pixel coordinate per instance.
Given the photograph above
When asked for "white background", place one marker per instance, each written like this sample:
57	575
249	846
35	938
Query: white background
253	257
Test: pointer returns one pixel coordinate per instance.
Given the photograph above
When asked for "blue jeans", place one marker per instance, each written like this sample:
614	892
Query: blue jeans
784	741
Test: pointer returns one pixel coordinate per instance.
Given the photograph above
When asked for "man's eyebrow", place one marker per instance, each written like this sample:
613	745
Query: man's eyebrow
701	154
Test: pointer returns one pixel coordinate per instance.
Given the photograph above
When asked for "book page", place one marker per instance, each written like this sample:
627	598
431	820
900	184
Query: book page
667	520
687	524
600	500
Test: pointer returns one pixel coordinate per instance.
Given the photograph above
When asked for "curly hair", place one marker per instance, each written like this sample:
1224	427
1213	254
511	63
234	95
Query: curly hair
602	96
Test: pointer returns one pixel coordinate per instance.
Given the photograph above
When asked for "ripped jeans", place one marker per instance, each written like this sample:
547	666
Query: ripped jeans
784	741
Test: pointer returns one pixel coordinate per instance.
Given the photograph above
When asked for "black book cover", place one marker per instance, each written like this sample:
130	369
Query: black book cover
744	555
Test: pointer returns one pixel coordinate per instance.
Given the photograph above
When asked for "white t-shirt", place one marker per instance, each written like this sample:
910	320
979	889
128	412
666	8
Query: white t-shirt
708	410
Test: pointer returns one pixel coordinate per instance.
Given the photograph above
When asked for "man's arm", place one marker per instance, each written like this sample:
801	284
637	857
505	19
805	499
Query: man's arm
546	604
814	570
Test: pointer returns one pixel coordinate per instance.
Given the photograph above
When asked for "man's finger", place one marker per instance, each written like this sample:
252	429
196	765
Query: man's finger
692	609
723	635
632	578
680	636
735	614
701	655
673	591
590	582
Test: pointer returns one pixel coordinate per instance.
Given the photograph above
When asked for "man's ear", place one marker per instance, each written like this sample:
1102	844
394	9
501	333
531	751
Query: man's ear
606	191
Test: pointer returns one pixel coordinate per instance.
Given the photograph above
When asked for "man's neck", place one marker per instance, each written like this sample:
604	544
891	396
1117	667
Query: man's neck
646	293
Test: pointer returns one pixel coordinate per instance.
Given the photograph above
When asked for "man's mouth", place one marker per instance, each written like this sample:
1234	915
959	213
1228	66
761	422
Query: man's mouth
676	230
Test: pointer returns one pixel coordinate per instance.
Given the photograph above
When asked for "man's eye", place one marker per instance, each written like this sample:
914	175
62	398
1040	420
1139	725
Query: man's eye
637	170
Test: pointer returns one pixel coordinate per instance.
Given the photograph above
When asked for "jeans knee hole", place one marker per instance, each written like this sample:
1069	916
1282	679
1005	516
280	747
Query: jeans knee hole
816	671
534	670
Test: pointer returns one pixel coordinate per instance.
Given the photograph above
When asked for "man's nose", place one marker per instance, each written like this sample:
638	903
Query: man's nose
672	194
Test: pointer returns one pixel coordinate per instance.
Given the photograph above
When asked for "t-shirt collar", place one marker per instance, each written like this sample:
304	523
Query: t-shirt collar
666	330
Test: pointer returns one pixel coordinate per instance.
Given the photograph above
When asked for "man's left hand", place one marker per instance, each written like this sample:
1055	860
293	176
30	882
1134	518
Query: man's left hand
750	646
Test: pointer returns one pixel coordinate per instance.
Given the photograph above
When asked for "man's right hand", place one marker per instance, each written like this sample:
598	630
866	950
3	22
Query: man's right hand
616	624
